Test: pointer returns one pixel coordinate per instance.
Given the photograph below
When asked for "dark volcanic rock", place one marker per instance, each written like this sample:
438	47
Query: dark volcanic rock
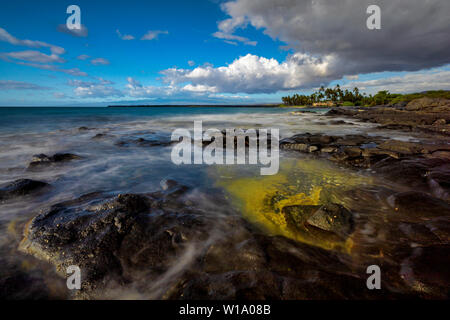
418	205
141	142
43	160
334	218
330	218
160	246
425	114
21	187
112	237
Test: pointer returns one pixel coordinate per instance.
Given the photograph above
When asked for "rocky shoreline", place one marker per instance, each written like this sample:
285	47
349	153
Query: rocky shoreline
168	244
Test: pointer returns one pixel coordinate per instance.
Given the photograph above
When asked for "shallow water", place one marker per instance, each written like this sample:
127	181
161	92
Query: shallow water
131	168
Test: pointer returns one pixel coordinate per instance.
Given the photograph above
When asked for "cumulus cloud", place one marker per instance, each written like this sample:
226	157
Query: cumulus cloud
253	74
19	85
82	32
99	61
413	35
91	89
153	34
83	57
124	36
138	90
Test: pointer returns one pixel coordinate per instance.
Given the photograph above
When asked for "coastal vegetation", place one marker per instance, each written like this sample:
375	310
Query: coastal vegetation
344	97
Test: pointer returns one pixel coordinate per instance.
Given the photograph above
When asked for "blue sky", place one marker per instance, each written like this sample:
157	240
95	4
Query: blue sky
189	56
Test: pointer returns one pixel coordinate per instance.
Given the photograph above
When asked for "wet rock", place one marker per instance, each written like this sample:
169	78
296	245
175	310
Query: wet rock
339	122
115	237
353	152
426	270
329	149
83	128
141	142
410	171
313	149
439	122
43	160
402	147
394	126
99	136
21	187
342	112
352	140
333	218
414	206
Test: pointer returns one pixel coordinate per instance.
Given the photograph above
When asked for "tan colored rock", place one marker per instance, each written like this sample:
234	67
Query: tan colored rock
439	122
424	103
402	147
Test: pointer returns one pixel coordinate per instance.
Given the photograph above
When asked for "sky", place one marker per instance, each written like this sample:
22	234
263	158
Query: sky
216	52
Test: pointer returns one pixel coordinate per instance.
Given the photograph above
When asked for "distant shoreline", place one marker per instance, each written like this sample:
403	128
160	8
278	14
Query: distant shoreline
197	106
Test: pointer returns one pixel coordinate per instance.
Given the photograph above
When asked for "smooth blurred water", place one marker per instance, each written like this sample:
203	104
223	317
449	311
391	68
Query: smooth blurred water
133	168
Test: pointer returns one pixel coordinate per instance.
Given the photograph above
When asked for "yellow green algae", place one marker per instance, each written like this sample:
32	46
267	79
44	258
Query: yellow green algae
306	182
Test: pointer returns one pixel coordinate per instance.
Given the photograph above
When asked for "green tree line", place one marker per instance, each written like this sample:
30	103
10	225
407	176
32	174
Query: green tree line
339	97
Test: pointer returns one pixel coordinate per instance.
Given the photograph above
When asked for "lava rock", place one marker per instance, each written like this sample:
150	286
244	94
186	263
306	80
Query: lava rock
43	160
333	218
21	187
414	206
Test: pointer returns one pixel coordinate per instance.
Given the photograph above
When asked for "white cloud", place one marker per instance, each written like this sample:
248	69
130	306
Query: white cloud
83	57
124	36
153	34
413	35
406	83
137	90
230	37
36	59
227	28
101	89
73	72
253	74
191	63
82	32
59	95
99	61
34	56
19	85
199	88
5	36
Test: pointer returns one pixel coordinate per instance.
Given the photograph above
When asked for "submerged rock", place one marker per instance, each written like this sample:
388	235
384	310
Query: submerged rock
43	160
333	218
21	187
141	142
418	205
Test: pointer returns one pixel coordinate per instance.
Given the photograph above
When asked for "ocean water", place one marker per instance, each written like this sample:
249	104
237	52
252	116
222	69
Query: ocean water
111	162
